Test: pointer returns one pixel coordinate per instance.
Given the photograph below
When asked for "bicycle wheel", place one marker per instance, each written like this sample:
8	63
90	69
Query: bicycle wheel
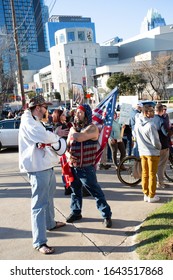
169	171
125	171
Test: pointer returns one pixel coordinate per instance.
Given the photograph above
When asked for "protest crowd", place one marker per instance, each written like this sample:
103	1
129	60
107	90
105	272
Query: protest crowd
84	140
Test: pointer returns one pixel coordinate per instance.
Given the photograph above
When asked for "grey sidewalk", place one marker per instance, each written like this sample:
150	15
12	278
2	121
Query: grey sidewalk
86	239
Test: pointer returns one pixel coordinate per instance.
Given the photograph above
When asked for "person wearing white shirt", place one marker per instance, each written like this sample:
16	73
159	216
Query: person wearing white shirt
37	159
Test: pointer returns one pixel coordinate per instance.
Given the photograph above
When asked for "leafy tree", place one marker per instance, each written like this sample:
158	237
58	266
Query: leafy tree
131	84
31	94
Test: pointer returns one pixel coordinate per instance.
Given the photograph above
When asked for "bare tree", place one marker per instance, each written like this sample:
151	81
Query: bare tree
7	66
158	75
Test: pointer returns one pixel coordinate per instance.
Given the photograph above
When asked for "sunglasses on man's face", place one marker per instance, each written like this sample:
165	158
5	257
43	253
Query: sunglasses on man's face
45	107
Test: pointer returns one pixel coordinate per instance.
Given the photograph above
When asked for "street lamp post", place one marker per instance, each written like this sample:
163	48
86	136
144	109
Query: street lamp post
17	54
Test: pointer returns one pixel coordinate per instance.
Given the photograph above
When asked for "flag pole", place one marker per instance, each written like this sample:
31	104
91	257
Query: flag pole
69	71
86	78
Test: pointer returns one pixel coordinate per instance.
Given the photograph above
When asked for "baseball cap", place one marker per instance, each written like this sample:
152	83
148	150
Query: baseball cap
38	100
140	104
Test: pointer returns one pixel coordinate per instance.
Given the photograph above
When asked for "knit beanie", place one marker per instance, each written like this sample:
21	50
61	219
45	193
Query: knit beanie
88	112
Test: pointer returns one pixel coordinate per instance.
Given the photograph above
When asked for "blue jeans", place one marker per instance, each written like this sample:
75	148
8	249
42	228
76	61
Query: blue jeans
128	144
43	185
135	149
86	177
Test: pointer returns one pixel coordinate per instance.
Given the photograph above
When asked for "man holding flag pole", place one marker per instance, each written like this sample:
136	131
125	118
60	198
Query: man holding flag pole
86	142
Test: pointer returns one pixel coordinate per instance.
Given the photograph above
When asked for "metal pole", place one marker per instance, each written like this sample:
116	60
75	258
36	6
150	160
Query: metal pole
18	54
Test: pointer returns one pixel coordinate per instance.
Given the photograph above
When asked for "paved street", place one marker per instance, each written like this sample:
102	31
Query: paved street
86	239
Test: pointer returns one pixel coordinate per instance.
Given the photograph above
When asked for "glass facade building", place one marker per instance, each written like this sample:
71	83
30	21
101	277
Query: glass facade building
152	20
31	16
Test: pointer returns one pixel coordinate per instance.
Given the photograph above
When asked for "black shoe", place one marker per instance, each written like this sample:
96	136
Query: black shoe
104	166
72	217
67	191
108	222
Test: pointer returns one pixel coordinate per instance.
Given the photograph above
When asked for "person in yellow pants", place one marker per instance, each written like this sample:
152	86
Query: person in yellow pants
149	150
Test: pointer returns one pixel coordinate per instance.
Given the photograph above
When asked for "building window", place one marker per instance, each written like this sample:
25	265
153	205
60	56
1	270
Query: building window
71	51
85	61
70	36
81	35
61	38
60	64
84	50
112	55
72	62
96	61
89	36
47	87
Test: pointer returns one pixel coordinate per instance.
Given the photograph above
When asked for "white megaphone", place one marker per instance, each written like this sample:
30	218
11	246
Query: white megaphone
60	146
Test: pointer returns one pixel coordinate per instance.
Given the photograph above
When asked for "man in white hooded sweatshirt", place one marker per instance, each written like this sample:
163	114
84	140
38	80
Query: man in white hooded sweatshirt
38	163
149	150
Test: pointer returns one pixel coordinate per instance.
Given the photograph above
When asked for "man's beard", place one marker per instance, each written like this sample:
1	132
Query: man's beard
79	124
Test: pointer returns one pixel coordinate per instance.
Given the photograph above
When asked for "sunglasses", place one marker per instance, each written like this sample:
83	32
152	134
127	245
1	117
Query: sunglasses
45	107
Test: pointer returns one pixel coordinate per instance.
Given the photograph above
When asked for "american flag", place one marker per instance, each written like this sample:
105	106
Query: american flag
103	116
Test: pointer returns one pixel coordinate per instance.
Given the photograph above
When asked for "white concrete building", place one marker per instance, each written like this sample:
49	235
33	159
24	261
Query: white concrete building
143	46
76	59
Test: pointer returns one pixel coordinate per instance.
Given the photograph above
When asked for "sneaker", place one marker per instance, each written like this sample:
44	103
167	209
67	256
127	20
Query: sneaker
108	222
145	198
104	166
153	199
72	217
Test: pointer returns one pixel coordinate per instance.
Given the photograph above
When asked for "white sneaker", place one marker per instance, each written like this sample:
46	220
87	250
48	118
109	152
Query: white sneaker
145	198
153	199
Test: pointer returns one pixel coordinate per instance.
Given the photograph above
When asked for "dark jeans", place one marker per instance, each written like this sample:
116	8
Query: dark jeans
128	144
135	149
86	177
109	153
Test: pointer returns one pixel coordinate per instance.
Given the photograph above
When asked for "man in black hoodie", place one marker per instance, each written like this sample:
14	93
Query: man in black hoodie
161	126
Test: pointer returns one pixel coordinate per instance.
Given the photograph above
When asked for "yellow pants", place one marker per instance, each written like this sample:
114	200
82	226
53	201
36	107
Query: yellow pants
149	171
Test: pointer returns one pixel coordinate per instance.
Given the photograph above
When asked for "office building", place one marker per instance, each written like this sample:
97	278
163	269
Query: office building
58	22
152	20
31	16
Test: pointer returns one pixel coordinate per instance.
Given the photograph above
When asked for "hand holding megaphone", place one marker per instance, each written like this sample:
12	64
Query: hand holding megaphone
60	146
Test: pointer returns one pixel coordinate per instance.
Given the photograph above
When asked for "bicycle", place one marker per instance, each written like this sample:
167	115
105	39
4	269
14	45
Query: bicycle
126	174
125	171
169	167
